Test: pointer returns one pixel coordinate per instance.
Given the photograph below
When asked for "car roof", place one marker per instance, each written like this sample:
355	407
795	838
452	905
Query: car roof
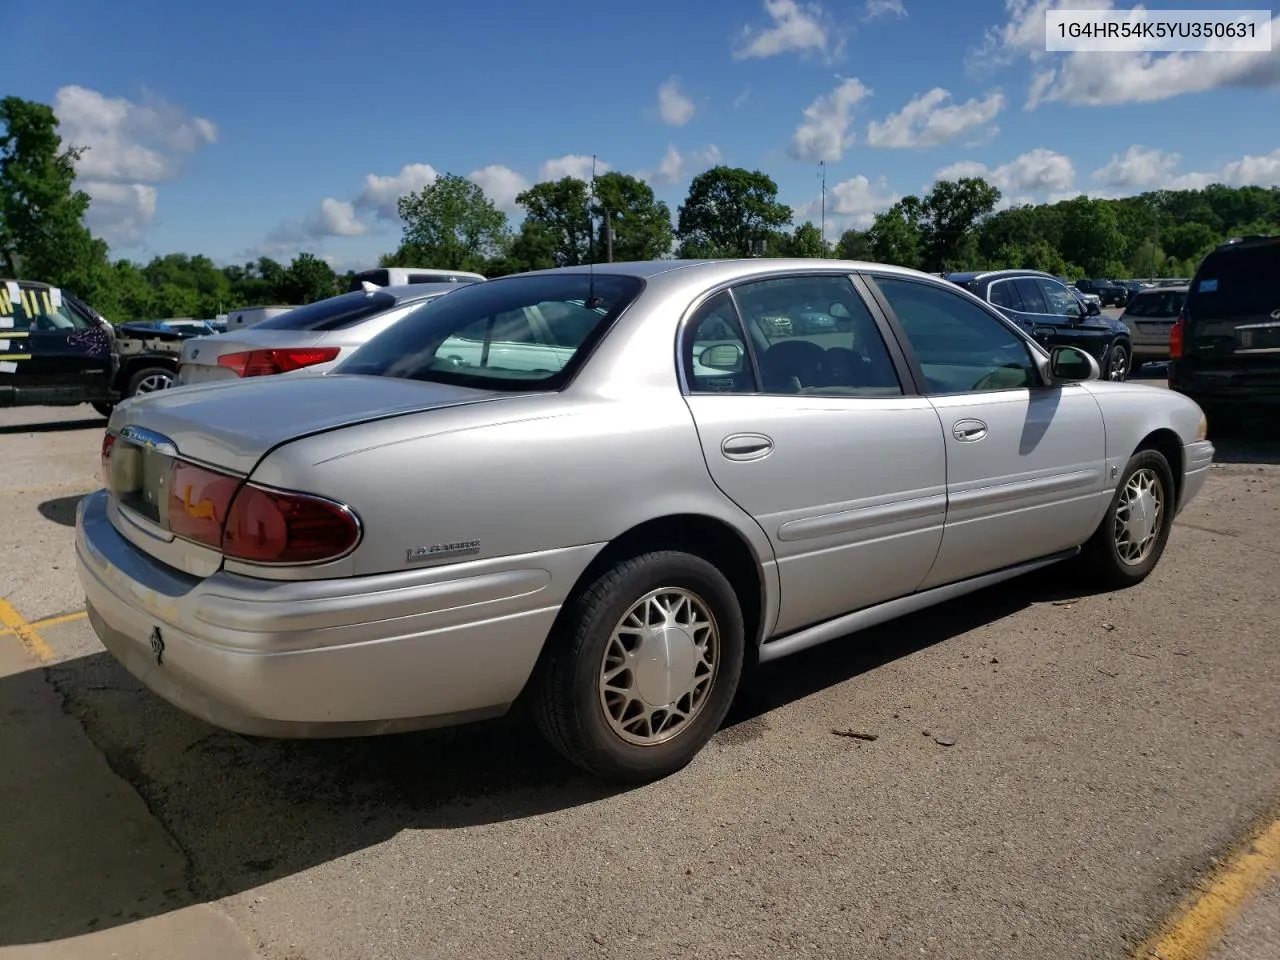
1175	287
715	270
970	276
418	291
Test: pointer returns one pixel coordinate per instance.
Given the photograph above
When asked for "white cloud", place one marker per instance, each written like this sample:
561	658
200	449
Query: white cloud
129	147
120	213
1141	168
337	218
381	194
674	105
1113	79
676	166
501	184
883	9
1034	172
571	165
851	203
824	133
1138	167
792	29
928	120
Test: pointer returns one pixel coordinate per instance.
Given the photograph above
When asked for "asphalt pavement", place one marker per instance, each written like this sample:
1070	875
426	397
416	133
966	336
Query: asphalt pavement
1054	773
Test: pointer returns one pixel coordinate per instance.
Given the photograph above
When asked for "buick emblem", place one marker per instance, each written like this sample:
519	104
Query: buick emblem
195	353
1275	314
157	644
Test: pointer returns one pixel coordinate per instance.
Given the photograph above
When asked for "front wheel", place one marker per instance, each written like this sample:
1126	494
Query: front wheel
1116	362
1132	535
103	407
642	668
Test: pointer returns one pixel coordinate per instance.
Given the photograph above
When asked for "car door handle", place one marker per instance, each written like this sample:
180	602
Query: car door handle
967	431
746	446
1042	332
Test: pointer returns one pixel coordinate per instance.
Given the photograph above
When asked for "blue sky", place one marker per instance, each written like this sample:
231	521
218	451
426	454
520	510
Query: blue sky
237	128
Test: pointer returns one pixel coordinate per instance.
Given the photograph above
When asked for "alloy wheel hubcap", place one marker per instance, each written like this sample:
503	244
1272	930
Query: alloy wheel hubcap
1138	517
1119	363
157	381
659	666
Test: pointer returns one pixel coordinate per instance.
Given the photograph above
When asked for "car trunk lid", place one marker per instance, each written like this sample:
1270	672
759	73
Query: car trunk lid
229	428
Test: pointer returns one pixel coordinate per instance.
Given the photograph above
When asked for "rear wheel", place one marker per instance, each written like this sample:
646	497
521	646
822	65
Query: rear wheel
1131	537
103	407
149	380
643	668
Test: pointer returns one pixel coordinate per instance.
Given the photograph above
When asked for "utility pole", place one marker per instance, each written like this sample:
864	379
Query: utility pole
823	228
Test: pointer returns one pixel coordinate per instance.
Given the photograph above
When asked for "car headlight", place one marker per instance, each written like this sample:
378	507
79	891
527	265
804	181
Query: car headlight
1202	431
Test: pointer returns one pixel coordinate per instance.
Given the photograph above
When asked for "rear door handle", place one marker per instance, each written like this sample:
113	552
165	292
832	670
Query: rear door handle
746	446
967	431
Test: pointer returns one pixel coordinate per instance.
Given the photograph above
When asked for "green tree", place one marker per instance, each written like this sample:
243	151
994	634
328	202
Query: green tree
308	279
1091	235
533	248
641	223
949	213
728	212
806	241
41	233
853	245
559	210
897	236
1188	240
450	224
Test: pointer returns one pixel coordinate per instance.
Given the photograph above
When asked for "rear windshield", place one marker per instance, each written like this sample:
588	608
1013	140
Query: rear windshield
1156	303
1243	282
335	313
520	333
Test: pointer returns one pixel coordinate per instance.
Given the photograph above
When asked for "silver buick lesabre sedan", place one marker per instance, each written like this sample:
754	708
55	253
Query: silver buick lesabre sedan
607	490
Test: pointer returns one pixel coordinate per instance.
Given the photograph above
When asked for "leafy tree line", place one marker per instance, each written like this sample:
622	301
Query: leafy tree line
728	212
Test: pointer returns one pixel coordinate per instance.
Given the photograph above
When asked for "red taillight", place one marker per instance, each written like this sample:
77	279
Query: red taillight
108	441
1175	336
262	363
271	526
199	502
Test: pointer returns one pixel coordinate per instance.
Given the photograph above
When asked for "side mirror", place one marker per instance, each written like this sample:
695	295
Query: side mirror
1072	365
721	356
1092	309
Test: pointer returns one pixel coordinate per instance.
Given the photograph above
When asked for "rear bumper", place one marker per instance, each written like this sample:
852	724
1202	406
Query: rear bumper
324	658
1226	388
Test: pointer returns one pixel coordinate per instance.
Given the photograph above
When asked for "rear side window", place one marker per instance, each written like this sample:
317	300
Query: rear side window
1236	283
521	333
335	313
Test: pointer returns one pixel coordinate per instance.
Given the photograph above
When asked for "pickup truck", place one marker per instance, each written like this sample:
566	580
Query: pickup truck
56	350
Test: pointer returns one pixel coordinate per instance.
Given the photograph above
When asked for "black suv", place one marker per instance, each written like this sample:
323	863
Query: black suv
56	350
1108	291
1225	347
1053	315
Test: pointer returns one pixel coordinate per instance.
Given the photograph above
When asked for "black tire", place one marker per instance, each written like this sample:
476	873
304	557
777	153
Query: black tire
1135	367
1115	364
565	690
1101	555
146	376
103	407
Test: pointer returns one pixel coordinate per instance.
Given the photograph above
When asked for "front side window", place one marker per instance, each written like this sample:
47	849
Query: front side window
814	335
38	308
1061	301
519	333
960	347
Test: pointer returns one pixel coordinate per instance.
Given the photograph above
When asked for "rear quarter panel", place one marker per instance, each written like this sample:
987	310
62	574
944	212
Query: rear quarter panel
521	476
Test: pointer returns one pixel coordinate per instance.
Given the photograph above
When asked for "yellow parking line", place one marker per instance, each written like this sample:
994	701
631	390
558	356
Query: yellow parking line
1196	929
26	632
64	618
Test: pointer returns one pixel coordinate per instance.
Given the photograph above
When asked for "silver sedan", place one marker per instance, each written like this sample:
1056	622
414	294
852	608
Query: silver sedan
606	490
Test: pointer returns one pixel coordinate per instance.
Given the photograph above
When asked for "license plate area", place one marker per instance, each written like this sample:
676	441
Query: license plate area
139	481
1258	336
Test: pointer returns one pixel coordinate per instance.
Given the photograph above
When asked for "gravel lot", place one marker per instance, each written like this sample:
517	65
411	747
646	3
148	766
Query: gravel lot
1105	748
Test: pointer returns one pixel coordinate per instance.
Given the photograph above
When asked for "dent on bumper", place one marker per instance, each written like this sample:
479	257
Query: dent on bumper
327	657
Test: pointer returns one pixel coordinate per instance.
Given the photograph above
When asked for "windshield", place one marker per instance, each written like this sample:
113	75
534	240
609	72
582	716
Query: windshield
335	313
1237	283
513	334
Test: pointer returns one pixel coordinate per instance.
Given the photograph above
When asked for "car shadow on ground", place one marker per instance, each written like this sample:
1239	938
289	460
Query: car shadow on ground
246	811
61	510
93	422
